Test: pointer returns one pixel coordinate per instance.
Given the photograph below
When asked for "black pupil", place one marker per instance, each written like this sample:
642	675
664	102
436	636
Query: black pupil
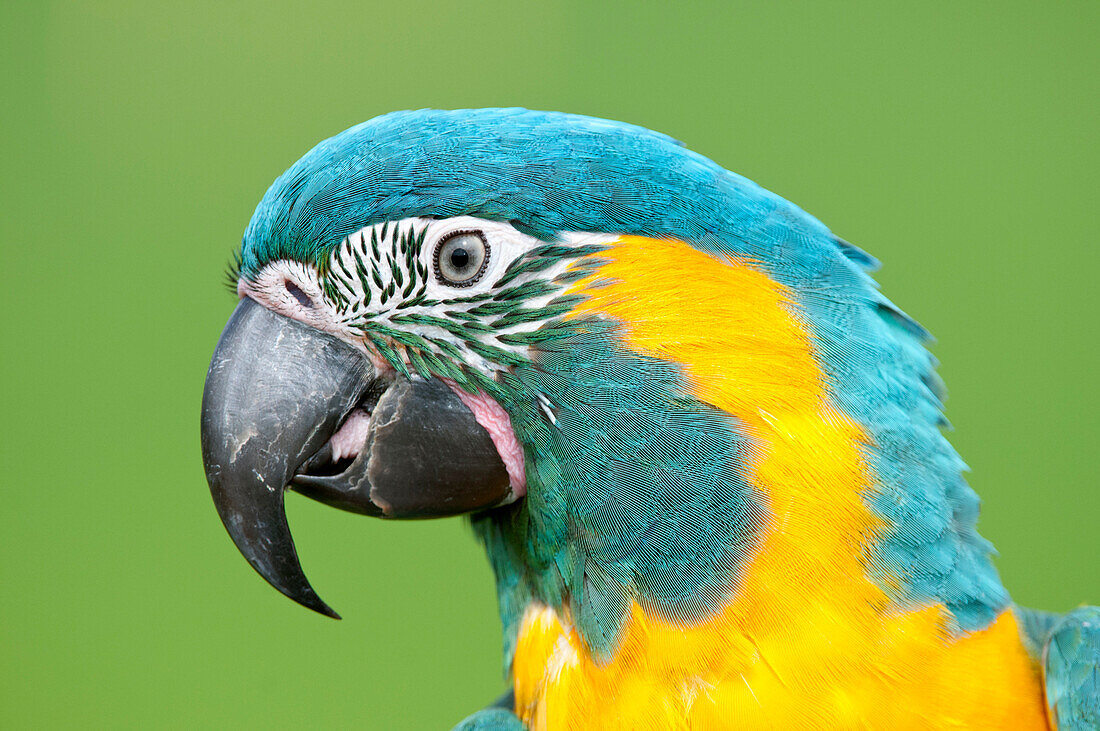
460	258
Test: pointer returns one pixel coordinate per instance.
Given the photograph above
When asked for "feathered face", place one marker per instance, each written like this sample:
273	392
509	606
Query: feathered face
463	300
432	322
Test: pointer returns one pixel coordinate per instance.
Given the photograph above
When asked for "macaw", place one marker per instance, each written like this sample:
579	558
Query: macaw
702	451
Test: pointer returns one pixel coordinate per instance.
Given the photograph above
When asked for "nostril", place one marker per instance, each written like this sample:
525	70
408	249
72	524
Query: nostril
295	291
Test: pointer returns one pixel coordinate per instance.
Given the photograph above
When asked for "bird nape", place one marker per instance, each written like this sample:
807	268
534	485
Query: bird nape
702	450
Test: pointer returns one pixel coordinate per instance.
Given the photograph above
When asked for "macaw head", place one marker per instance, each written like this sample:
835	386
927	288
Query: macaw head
627	362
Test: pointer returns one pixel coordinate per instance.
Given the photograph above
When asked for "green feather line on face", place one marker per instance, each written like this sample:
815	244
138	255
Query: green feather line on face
393	250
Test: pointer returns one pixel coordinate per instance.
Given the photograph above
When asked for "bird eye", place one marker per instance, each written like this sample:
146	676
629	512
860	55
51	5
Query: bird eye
461	258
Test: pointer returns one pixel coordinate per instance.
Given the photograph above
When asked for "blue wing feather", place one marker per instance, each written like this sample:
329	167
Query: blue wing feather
1071	663
1069	648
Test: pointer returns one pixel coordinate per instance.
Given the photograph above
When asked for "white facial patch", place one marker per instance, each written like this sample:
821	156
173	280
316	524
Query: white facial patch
386	278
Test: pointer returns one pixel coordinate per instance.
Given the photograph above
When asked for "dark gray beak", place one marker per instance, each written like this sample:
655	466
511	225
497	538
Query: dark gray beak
276	392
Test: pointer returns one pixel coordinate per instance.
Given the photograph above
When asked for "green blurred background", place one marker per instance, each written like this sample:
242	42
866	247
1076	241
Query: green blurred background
955	141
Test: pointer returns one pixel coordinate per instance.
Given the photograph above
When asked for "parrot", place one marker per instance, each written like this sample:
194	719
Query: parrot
705	455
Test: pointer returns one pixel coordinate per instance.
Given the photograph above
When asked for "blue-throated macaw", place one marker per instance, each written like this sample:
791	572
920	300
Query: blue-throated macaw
703	452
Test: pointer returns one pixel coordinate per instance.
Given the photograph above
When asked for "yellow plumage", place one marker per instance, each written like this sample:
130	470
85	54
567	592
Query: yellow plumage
807	641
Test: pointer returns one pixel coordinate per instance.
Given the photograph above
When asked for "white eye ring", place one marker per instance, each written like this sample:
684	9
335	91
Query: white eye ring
461	258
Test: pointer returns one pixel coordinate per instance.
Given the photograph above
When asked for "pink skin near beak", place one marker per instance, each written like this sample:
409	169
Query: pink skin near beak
494	419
